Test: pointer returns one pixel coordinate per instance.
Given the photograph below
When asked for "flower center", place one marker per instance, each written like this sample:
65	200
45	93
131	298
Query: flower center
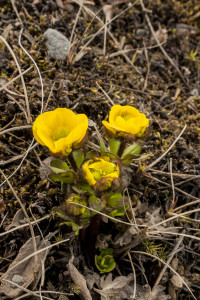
60	133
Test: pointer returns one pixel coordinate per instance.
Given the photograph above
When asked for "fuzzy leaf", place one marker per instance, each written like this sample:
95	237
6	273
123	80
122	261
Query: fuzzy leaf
58	166
67	177
114	145
131	151
78	157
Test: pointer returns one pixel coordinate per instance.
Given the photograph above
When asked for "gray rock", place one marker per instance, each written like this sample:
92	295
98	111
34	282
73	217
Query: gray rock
56	43
18	279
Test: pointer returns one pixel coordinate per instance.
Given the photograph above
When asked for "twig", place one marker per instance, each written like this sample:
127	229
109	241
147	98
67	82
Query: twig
167	184
160	46
148	67
174	233
49	97
76	21
25	213
7	125
165	153
14	79
28	116
172	180
38	70
33	254
29	292
175	217
15	128
170	257
110	100
24	225
168	266
111	35
23	159
134	275
186	205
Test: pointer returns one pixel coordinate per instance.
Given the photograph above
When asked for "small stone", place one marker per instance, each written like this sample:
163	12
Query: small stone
57	44
18	279
140	32
176	281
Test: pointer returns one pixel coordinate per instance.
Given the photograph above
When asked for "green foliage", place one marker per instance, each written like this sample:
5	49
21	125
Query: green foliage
158	250
78	157
67	177
105	262
114	144
132	151
58	166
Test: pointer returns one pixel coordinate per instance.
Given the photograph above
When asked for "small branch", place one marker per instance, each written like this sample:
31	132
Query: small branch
171	255
165	153
160	46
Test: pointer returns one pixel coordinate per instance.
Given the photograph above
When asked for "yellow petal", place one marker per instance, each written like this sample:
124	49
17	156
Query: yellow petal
60	129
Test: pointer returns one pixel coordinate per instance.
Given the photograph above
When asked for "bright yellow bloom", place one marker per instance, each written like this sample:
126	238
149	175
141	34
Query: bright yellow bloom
125	120
60	130
100	169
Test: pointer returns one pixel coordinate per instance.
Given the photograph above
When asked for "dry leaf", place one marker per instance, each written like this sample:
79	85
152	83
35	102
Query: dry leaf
18	219
157	294
24	274
79	280
116	289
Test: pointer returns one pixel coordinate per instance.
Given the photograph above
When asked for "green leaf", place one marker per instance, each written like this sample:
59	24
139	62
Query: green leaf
114	145
78	157
131	151
74	226
114	199
119	212
91	154
67	177
58	166
103	148
85	187
105	261
126	162
111	155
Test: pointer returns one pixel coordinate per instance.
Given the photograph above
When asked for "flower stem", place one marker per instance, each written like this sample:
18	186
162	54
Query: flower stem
121	148
72	162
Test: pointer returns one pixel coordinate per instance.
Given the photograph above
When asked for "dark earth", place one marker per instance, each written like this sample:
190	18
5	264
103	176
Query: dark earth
150	60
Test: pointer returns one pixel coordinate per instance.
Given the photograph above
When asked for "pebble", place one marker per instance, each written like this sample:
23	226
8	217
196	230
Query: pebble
57	44
18	279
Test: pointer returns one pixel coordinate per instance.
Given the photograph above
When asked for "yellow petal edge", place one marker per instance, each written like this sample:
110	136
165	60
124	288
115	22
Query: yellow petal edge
60	130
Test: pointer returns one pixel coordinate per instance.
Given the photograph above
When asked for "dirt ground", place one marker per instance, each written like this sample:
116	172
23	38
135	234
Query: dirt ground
148	57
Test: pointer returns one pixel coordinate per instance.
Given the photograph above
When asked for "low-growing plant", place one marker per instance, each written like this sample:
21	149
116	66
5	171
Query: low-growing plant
91	180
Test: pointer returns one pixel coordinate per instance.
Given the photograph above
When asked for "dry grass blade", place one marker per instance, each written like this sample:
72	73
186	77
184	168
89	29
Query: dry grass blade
170	257
165	153
102	214
177	189
90	12
29	292
158	42
14	79
23	159
24	225
168	266
28	115
134	275
36	253
15	128
175	217
174	233
26	215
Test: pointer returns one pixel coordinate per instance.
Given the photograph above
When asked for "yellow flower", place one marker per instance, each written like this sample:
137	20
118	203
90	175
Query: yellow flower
60	130
126	120
100	169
